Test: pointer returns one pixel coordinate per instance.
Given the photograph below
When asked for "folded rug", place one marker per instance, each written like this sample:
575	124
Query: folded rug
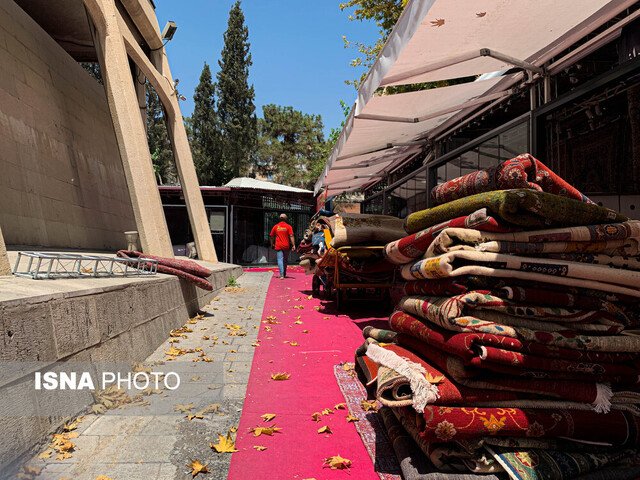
490	308
538	464
523	208
572	274
443	424
611	239
354	228
414	463
476	347
413	246
615	261
450	314
477	352
185	269
523	171
598	395
394	389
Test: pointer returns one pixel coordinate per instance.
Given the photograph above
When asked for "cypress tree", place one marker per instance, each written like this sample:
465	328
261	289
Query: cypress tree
235	97
204	129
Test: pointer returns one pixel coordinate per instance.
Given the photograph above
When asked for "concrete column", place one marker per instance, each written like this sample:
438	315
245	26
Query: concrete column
5	269
186	169
129	129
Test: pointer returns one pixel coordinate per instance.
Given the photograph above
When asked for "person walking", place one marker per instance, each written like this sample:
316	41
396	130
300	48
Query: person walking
283	241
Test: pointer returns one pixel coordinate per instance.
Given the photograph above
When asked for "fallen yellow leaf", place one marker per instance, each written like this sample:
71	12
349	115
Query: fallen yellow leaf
369	405
46	454
184	408
433	380
197	467
351	418
224	445
280	376
337	463
341	406
316	416
267	417
327	411
257	431
259	448
195	415
324	429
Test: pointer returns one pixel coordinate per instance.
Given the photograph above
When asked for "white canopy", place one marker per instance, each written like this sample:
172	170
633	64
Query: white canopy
447	39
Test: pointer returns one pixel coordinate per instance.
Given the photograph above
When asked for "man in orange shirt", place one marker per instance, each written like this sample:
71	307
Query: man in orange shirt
282	240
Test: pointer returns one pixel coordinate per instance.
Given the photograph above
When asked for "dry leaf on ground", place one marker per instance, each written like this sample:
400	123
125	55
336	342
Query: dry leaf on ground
197	467
224	445
324	429
337	463
316	416
340	406
267	417
184	408
351	418
260	448
280	376
367	405
257	431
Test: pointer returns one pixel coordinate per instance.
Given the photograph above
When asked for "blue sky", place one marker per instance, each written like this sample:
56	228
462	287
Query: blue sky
296	47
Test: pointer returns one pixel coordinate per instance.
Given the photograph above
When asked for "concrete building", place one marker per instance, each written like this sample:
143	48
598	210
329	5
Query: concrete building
75	173
76	169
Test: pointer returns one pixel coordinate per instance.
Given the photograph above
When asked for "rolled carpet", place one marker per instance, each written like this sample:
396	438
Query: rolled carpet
185	269
523	171
523	208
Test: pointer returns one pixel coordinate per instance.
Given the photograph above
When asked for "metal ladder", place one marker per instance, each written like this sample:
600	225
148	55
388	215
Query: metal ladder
40	265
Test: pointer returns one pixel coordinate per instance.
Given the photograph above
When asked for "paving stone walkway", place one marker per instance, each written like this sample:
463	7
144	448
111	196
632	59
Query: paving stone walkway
156	442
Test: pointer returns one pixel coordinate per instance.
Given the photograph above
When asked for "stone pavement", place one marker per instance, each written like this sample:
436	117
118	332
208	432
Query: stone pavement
153	440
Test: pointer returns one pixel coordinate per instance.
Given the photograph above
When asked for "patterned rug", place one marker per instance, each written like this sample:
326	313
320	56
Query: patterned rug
369	426
523	171
524	208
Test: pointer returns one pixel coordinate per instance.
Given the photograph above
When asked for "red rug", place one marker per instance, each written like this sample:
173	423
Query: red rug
298	450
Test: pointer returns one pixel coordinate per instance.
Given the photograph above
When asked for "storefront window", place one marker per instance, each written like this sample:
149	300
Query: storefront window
514	141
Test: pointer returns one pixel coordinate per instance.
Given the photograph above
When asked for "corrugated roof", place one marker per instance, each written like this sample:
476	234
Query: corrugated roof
245	182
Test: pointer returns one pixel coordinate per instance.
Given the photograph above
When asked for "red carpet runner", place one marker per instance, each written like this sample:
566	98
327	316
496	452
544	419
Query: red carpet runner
298	451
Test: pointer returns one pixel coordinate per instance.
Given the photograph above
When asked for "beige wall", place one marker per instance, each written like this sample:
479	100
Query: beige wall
61	177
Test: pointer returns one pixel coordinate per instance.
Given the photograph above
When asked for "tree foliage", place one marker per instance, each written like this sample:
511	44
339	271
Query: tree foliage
385	13
204	134
291	146
236	110
158	140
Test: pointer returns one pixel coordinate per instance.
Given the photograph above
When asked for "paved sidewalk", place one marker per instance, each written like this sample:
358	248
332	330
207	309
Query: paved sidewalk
155	442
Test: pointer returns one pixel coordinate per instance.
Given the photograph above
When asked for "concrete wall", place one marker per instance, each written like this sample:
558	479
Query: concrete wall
103	321
61	177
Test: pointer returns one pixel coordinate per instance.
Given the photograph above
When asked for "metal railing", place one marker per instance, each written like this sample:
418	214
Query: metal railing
40	265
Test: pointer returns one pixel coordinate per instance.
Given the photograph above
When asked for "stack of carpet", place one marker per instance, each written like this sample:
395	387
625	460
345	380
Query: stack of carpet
322	257
514	351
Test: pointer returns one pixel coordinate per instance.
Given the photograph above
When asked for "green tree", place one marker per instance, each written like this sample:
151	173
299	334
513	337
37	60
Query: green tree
291	146
204	134
158	140
235	97
385	13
